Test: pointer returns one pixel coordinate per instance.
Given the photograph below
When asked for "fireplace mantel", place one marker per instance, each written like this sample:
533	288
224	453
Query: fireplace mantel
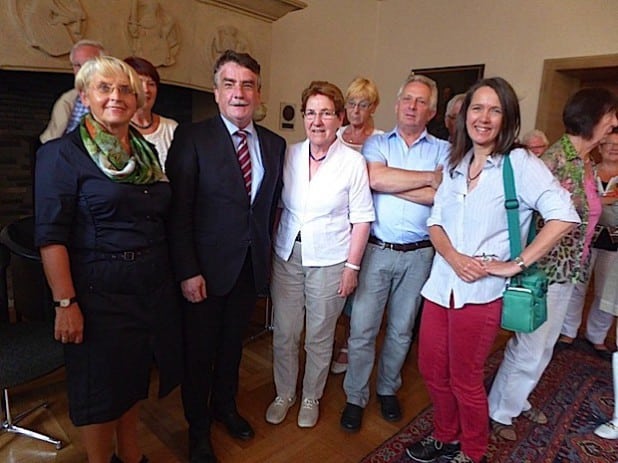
181	37
267	10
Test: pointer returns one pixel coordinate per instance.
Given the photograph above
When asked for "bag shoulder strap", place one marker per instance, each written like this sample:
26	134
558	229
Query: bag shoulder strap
512	207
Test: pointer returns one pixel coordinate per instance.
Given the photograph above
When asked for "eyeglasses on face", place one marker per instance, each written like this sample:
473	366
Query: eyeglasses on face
106	89
609	146
360	104
325	115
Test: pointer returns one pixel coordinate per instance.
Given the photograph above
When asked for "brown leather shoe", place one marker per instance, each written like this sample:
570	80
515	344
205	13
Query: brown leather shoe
535	415
505	431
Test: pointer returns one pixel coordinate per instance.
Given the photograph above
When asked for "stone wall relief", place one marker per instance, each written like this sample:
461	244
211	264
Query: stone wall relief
153	32
228	37
51	26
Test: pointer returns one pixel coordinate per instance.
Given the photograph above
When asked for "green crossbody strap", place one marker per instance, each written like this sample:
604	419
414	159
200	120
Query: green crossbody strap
512	210
512	207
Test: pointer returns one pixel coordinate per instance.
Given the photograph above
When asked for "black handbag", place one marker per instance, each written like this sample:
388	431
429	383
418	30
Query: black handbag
524	301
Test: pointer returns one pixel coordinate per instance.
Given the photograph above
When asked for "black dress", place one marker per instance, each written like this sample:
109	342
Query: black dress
115	234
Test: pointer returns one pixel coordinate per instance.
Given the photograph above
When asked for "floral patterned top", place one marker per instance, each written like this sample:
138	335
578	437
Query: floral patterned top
566	263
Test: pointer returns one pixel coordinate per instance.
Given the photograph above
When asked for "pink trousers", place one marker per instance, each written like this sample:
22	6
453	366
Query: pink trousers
454	344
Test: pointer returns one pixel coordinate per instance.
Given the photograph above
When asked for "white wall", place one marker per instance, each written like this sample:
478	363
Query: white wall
337	40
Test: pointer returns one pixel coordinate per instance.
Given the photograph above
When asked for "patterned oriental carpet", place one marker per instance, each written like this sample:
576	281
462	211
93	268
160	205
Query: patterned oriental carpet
575	393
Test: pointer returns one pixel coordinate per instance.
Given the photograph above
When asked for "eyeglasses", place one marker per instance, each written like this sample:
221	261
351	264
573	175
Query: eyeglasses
106	89
361	104
325	115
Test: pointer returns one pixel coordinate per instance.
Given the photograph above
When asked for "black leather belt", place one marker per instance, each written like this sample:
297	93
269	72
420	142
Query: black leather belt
127	256
400	247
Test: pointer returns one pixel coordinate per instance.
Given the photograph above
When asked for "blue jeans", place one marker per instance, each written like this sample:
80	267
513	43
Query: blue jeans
391	279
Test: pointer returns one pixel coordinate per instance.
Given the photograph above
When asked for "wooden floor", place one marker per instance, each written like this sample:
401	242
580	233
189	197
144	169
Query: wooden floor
163	431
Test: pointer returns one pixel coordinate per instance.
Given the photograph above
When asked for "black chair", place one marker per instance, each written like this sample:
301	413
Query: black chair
27	351
27	348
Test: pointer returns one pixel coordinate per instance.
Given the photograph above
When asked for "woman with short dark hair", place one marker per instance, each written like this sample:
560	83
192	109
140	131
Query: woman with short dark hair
155	128
326	212
589	115
463	295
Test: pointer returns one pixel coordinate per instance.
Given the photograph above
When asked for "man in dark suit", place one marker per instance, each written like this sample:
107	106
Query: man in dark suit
223	208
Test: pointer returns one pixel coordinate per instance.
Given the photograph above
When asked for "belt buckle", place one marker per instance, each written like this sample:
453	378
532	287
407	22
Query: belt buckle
128	255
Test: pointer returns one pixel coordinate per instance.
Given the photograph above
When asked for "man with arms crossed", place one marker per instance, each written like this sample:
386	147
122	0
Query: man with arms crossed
405	169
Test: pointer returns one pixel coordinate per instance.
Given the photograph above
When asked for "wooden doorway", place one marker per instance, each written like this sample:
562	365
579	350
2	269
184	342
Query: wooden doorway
563	77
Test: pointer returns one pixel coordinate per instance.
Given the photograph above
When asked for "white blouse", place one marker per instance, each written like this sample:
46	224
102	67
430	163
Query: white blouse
322	209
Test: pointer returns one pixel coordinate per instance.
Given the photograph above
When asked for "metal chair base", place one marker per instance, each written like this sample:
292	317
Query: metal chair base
268	319
10	423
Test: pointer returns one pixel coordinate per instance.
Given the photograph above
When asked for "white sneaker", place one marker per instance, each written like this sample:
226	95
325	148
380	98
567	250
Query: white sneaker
608	430
309	413
278	409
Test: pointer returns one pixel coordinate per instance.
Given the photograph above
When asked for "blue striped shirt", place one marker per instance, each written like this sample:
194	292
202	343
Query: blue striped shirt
476	223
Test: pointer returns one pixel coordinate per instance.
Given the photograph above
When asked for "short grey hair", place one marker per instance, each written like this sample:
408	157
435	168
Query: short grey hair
87	43
412	77
453	101
534	133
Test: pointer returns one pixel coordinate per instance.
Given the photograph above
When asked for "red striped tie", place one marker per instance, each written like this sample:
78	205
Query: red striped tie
244	159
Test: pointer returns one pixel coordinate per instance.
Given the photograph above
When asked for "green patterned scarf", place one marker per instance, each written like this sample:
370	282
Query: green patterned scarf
140	167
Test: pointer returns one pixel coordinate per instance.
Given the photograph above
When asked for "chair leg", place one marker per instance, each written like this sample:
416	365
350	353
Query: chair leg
268	321
9	425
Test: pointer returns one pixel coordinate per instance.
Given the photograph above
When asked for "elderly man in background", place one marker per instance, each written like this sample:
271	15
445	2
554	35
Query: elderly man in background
68	110
450	115
535	141
405	169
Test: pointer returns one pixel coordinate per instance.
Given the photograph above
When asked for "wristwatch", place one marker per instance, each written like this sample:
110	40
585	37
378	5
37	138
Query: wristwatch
64	303
519	261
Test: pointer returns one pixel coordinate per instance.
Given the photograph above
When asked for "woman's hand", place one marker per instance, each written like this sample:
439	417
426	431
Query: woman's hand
501	269
467	268
69	325
348	282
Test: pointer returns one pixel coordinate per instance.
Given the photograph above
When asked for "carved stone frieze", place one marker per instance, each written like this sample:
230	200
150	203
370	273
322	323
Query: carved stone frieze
182	38
153	32
51	26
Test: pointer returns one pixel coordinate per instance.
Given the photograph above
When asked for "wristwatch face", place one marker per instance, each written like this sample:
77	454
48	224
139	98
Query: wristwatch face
64	302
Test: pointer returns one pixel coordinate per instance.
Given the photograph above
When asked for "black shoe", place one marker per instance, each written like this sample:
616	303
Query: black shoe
200	451
428	449
115	459
351	417
236	425
389	406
